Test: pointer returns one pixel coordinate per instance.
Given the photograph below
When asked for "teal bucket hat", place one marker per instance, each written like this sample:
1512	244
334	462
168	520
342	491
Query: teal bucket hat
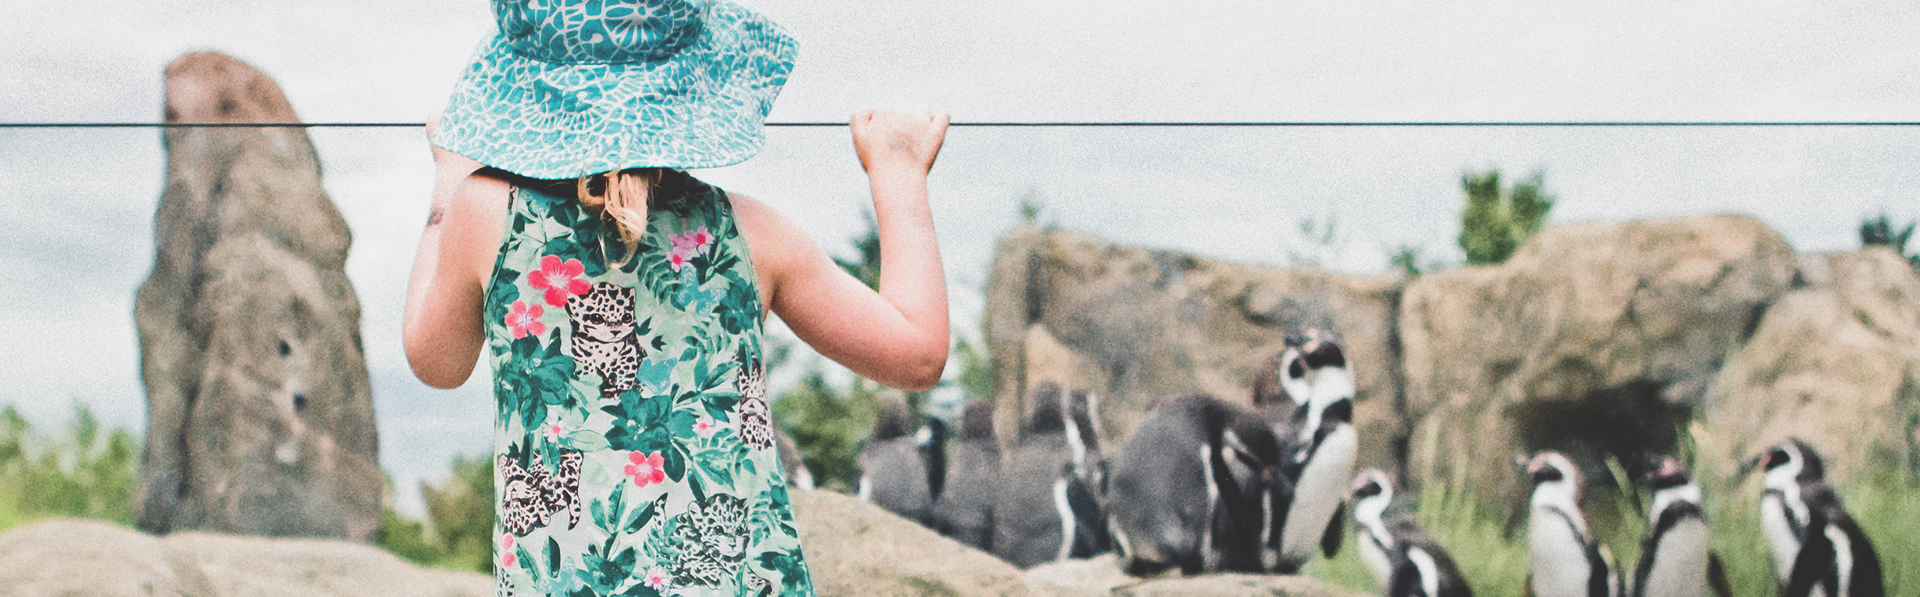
575	87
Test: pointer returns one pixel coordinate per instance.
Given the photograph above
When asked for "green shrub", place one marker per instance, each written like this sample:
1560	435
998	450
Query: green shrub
87	473
458	532
1496	220
1879	232
828	425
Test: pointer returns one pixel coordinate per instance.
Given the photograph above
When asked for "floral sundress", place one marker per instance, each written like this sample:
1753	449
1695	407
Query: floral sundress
633	444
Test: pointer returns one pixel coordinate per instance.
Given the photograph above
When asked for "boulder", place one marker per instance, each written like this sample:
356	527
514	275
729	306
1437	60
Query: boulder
1594	339
70	557
1835	363
1099	575
260	418
854	548
1236	585
1134	325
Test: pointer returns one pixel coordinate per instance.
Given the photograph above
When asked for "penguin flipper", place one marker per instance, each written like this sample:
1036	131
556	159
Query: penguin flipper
1336	531
1815	560
1717	576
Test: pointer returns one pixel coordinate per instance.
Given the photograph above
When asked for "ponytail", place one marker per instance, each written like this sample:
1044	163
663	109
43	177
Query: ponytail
624	201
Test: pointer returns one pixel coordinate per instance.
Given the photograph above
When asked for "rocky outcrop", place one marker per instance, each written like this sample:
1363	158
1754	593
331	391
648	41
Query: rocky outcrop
1593	338
1134	325
1835	363
68	557
853	549
860	549
260	419
1236	585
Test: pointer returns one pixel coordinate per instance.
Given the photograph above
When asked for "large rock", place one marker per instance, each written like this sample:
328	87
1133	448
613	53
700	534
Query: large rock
855	548
1836	364
260	419
1236	585
68	557
1593	338
1135	324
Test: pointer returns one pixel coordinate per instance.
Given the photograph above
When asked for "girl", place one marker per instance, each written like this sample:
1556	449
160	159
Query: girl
621	311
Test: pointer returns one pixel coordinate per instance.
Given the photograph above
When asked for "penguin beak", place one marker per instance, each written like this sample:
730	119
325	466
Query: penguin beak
1520	462
1749	464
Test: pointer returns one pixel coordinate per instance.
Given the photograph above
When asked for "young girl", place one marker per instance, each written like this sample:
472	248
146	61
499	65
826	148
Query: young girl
621	311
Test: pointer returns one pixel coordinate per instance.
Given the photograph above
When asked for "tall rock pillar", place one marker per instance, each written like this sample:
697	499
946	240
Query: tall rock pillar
260	418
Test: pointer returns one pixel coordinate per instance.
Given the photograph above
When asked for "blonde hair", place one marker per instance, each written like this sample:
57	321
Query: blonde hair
623	200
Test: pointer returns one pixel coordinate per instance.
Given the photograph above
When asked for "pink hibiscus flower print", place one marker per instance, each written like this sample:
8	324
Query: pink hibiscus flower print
682	243
700	238
705	427
678	260
553	431
506	550
645	470
523	319
561	279
656	578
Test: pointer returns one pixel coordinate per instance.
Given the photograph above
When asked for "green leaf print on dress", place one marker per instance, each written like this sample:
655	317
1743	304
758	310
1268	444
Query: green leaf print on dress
632	437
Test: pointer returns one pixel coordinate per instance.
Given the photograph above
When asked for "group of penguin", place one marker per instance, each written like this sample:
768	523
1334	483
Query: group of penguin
1207	485
1818	550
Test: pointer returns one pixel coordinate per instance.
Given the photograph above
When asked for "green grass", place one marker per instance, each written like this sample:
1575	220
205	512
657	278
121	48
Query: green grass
1885	503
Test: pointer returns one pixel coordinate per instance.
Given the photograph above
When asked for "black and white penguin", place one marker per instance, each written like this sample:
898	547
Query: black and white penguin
795	470
893	471
964	509
933	438
1047	509
1321	446
1196	487
1566	559
1676	558
1404	559
1817	548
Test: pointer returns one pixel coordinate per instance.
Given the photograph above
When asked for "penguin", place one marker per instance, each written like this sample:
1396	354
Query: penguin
933	438
964	509
1047	510
1196	487
795	469
1321	447
1676	558
1403	558
893	471
1818	549
1566	558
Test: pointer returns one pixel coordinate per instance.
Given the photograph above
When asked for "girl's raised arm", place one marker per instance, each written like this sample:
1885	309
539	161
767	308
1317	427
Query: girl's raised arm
898	335
442	328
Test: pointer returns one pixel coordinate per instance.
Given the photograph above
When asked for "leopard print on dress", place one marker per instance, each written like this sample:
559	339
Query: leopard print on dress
604	340
756	424
532	495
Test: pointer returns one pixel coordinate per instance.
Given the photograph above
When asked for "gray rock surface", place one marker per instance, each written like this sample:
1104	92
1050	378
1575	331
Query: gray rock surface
1236	585
855	549
70	557
260	416
1593	337
1836	364
1134	325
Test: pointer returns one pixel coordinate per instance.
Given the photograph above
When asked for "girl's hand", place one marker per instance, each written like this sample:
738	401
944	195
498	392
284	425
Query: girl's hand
898	140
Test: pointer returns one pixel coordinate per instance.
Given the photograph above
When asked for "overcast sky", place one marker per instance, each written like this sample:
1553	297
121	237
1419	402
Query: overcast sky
75	232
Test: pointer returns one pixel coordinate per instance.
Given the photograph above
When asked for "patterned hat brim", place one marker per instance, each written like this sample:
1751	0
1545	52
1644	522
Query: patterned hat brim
705	106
